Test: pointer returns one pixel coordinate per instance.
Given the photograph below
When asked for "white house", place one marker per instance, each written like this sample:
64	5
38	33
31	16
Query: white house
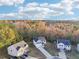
18	49
78	47
39	41
63	44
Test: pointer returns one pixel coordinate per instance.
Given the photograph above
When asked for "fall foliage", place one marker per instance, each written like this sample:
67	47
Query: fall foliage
8	35
52	31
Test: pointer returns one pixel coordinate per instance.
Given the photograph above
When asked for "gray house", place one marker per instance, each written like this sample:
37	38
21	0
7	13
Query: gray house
63	44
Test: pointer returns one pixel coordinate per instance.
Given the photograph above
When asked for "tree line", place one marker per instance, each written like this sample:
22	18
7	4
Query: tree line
12	31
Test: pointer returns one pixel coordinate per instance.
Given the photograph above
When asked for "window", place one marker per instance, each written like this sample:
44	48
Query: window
18	48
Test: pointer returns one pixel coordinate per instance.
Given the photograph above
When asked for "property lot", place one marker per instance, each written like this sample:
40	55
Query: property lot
36	53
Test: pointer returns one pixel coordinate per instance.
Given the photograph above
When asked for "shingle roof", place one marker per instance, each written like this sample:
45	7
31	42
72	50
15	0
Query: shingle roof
21	44
39	38
66	42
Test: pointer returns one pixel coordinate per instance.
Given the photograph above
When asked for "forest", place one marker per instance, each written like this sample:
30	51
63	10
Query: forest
12	31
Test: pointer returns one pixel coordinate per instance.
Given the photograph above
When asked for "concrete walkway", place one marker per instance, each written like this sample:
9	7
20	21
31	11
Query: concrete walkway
62	55
44	52
41	48
31	57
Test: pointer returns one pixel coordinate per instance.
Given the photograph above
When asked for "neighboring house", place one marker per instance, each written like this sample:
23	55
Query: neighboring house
63	44
18	49
40	41
78	47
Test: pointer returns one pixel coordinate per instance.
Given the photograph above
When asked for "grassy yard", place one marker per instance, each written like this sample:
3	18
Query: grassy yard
71	55
36	53
3	53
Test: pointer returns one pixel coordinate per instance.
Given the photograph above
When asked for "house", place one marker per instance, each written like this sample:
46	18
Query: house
63	44
39	41
77	47
18	49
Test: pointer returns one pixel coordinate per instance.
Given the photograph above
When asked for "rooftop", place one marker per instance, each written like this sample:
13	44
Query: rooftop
20	44
66	42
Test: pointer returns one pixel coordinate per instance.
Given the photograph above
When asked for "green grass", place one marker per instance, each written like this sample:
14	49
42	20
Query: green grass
71	55
3	53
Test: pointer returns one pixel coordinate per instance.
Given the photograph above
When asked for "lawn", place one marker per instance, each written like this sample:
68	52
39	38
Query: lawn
3	53
53	51
36	53
70	55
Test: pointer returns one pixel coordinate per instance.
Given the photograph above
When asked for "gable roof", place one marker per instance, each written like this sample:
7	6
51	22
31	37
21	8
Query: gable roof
39	38
20	44
35	39
64	41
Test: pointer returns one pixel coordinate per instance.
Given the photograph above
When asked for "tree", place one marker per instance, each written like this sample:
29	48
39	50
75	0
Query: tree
8	35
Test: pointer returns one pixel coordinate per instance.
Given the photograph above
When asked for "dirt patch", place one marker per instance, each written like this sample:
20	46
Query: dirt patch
36	53
3	53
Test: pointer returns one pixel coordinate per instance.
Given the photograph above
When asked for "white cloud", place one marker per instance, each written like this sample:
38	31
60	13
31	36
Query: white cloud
77	6
7	15
34	4
76	0
11	16
58	5
10	2
68	6
35	10
44	5
64	7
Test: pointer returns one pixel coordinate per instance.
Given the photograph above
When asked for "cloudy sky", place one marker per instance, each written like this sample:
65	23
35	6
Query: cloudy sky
39	9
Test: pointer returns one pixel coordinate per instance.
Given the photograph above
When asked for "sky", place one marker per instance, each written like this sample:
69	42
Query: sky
39	9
